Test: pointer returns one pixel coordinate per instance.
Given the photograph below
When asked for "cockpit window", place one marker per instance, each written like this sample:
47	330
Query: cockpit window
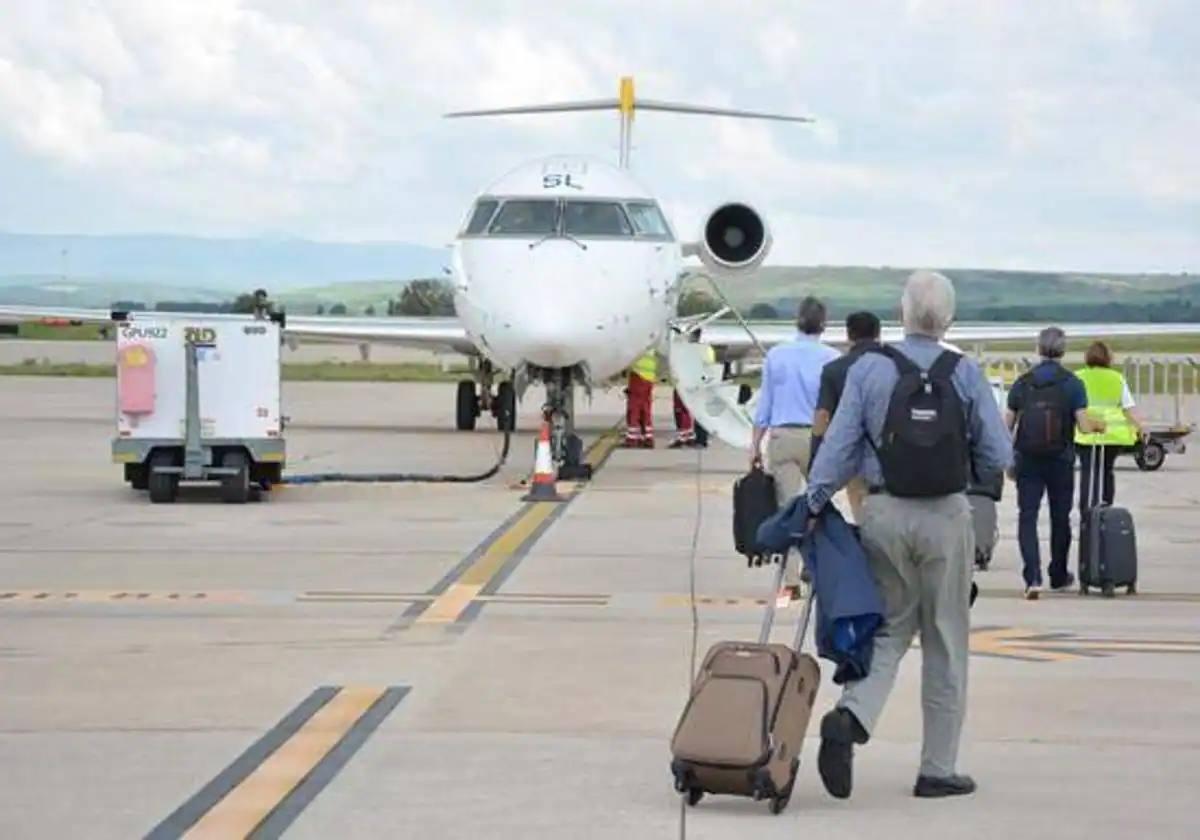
595	218
648	219
527	217
484	210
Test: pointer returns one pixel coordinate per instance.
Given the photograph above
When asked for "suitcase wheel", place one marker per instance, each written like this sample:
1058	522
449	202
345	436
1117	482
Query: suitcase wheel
1083	589
780	802
683	776
694	796
1108	591
1131	589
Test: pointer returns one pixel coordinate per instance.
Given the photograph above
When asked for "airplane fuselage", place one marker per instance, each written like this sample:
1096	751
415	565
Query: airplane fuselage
566	262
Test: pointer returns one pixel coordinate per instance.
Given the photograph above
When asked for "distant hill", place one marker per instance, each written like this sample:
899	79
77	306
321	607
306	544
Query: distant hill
224	265
983	294
304	276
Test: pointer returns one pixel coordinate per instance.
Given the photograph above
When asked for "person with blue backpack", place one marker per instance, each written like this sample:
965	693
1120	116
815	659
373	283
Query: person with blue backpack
916	420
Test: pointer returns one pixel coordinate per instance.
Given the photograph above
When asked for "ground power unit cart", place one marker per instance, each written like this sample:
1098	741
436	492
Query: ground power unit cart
198	399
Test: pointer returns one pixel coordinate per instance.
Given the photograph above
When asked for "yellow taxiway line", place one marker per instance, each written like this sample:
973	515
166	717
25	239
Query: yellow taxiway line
248	804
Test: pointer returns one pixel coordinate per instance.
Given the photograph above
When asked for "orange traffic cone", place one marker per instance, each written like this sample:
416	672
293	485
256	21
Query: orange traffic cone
542	488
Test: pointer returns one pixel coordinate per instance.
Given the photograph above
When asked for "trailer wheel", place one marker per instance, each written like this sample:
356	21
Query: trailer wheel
138	476
1151	456
235	489
163	487
467	406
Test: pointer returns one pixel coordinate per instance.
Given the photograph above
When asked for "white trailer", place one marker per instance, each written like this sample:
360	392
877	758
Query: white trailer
198	399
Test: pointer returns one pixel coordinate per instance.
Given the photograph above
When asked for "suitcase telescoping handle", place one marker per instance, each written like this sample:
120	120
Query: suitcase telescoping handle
1097	473
764	634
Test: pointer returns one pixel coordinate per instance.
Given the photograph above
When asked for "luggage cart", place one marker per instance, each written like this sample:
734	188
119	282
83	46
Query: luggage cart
1162	438
219	422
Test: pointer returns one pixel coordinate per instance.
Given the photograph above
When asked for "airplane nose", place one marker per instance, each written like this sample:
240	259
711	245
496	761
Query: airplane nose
550	343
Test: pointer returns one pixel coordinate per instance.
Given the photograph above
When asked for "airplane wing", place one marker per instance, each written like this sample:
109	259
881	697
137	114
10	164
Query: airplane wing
732	341
432	333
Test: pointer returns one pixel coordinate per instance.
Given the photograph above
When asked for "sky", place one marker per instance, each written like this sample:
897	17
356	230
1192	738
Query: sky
990	133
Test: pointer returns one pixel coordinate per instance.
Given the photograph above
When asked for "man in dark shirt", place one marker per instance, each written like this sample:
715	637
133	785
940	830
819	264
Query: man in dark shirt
862	331
1044	456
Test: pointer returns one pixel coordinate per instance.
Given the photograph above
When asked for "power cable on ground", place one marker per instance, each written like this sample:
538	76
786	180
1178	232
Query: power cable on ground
398	477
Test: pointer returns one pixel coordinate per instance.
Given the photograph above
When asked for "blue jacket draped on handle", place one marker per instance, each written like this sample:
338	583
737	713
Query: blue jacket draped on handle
848	607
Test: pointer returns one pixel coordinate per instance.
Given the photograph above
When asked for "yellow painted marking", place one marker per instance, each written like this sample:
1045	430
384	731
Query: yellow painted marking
601	449
119	596
625	95
124	458
1013	643
248	804
1155	646
451	603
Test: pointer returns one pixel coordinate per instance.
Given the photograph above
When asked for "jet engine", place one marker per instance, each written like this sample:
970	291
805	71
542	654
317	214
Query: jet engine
735	239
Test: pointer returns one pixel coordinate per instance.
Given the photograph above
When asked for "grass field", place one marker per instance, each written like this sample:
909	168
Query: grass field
1127	344
44	332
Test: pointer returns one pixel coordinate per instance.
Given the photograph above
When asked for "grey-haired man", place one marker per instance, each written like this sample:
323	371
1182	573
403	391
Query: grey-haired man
916	528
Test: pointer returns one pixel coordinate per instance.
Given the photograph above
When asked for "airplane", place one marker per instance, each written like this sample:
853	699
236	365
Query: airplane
565	270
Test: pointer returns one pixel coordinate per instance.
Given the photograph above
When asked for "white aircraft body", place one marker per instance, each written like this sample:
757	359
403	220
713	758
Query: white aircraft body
565	271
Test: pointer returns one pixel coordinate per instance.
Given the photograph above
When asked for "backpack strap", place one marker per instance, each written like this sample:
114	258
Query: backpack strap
903	363
943	366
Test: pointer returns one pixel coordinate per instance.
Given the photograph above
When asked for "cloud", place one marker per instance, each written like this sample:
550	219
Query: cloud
991	132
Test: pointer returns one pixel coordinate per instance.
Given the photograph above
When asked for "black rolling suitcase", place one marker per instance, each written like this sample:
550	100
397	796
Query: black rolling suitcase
1107	541
754	501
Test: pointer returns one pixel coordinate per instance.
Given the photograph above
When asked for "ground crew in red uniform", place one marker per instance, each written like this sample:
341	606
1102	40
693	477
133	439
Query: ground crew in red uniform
639	411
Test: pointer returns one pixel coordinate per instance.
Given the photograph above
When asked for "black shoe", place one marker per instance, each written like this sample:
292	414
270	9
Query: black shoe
933	787
840	731
1064	584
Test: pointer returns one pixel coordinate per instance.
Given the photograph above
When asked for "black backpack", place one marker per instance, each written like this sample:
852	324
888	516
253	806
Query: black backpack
924	451
1042	428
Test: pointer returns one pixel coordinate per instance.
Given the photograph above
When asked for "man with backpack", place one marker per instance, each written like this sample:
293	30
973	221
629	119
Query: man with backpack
914	417
1045	405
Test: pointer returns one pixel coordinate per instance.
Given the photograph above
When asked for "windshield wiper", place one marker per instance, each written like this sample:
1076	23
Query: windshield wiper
533	245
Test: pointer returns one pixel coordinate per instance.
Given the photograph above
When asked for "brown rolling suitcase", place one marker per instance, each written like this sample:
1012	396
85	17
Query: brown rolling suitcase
743	726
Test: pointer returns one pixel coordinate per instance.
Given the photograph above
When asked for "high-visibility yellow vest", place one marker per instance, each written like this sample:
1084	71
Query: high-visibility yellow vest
1104	388
647	366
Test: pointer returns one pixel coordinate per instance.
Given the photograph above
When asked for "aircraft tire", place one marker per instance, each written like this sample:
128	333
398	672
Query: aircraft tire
467	406
506	407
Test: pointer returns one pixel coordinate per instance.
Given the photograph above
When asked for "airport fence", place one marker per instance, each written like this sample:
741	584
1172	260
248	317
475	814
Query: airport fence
1151	378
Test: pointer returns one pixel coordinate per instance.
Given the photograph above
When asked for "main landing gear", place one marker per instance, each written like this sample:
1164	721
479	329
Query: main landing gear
475	397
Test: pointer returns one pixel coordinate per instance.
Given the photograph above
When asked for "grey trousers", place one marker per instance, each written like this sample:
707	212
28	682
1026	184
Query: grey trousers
787	459
920	551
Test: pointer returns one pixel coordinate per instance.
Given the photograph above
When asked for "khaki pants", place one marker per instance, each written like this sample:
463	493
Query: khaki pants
788	454
920	552
787	459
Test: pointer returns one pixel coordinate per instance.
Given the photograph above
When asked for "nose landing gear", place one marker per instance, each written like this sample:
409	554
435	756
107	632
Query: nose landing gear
565	444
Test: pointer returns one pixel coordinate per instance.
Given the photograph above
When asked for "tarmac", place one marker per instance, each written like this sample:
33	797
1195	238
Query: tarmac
445	660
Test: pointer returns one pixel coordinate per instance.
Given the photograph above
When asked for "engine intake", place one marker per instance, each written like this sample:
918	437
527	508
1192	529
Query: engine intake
736	239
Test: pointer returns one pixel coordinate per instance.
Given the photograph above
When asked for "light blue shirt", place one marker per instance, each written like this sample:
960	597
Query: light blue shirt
791	382
845	452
